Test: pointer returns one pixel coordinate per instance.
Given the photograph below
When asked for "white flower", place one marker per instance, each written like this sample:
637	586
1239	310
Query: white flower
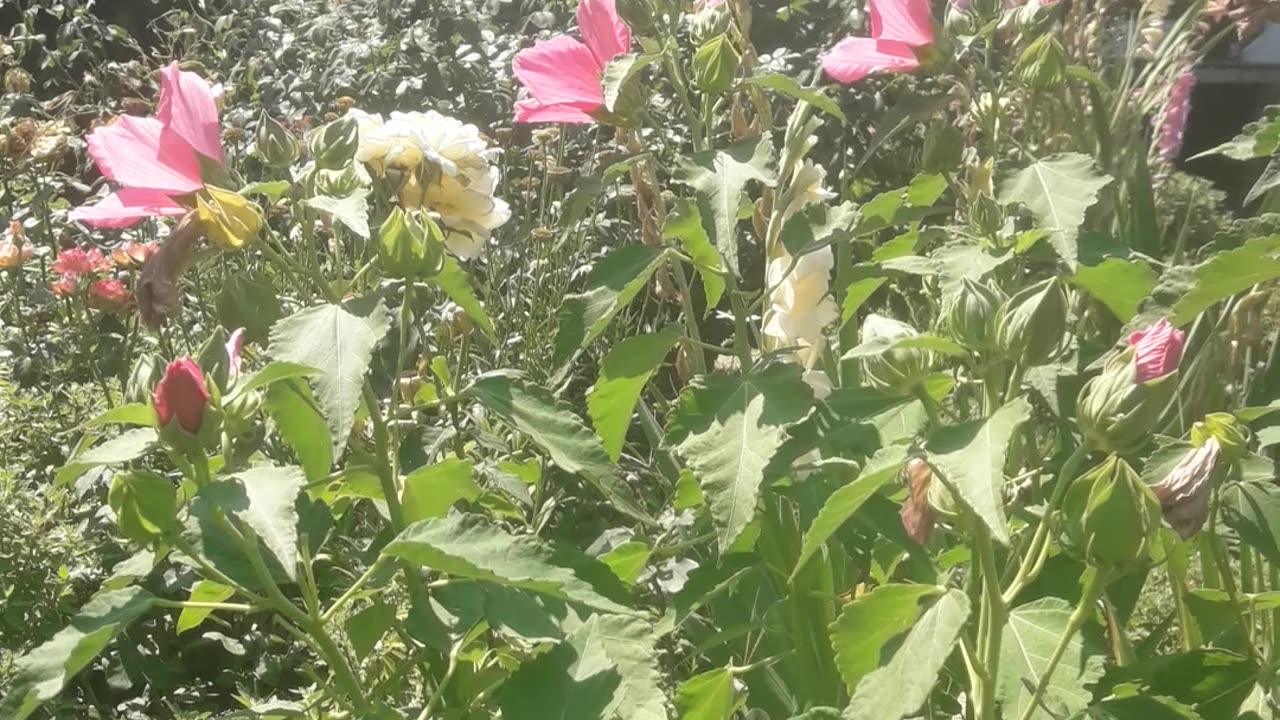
819	382
801	305
807	188
469	211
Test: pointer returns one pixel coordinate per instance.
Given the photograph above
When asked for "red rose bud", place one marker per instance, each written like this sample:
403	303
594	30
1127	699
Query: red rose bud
1184	494
917	515
1157	350
181	395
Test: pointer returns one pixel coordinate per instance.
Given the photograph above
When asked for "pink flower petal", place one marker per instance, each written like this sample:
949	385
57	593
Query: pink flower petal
604	32
235	346
561	71
1157	350
531	111
187	107
905	21
128	151
855	58
126	207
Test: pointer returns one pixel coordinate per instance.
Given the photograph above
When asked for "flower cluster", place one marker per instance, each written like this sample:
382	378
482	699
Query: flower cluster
78	268
448	171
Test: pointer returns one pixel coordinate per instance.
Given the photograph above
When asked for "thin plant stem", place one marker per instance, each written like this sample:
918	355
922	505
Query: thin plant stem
1093	589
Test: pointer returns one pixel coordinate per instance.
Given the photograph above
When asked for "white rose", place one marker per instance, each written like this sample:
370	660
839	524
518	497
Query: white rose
807	188
469	211
801	304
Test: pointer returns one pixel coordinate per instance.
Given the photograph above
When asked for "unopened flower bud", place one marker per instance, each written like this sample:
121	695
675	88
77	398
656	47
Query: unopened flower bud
636	13
277	147
971	317
1157	350
917	515
456	320
1116	412
1043	65
233	135
409	245
1031	325
715	65
345	103
1111	516
144	375
897	370
1225	430
334	144
709	22
181	397
1185	492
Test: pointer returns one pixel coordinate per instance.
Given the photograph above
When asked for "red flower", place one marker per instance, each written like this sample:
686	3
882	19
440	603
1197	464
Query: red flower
111	296
77	261
132	254
182	395
65	286
1158	350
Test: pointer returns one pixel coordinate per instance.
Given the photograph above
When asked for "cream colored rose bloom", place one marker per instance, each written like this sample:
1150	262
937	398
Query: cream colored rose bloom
808	188
468	210
802	304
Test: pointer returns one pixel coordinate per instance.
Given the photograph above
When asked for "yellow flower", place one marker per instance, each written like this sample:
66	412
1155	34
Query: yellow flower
229	219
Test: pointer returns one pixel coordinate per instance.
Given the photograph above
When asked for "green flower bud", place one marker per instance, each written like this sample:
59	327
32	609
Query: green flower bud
987	215
710	22
1043	65
1111	517
898	370
276	146
146	372
1226	429
410	245
972	314
636	13
958	21
339	183
333	145
715	65
1116	413
1031	325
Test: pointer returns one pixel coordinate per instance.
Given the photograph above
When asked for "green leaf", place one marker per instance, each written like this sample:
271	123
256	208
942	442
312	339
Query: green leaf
870	622
264	499
431	490
610	286
272	372
623	374
1143	707
708	696
145	504
856	295
562	434
1259	139
719	178
352	210
1119	284
204	591
468	546
1252	509
843	503
339	345
1058	190
1030	637
786	85
249	300
971	456
127	446
129	414
619	72
456	283
40	674
1226	274
684	223
366	628
728	429
1268	181
627	560
273	190
293	408
901	687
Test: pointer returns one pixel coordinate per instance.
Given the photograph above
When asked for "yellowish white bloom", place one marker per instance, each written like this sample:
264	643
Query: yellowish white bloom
807	188
799	308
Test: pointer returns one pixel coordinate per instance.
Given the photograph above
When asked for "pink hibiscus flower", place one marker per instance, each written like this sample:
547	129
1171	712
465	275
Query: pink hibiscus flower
898	27
155	160
1157	350
563	75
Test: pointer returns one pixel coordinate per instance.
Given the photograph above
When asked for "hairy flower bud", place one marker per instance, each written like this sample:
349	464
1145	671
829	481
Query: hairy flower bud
1031	324
972	314
334	144
715	65
182	397
709	22
409	245
1185	492
1116	412
276	146
636	13
1111	516
897	370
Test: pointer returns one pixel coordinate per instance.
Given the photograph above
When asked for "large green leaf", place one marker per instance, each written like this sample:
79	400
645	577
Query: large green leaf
1119	284
263	498
684	224
1030	636
843	503
870	622
787	85
466	545
708	696
339	345
352	210
623	375
1252	509
40	674
1058	190
610	286
1226	274
557	430
204	591
719	178
431	490
456	283
292	406
900	688
619	73
1142	707
728	429
972	455
129	445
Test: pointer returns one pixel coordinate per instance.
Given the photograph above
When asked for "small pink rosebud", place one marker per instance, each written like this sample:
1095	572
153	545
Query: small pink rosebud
1184	494
182	395
235	346
65	286
111	296
131	255
1157	350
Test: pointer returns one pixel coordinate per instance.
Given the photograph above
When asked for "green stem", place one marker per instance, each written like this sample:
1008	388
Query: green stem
438	693
355	588
184	604
696	357
1094	586
1033	560
996	614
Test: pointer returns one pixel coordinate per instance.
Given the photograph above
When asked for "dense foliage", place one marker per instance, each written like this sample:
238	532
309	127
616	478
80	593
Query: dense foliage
712	360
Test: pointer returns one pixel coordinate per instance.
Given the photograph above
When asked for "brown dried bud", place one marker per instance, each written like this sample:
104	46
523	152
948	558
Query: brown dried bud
738	120
17	80
233	134
542	233
1184	493
157	293
504	135
546	136
559	173
684	366
457	321
330	117
917	514
760	219
410	383
536	155
345	103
